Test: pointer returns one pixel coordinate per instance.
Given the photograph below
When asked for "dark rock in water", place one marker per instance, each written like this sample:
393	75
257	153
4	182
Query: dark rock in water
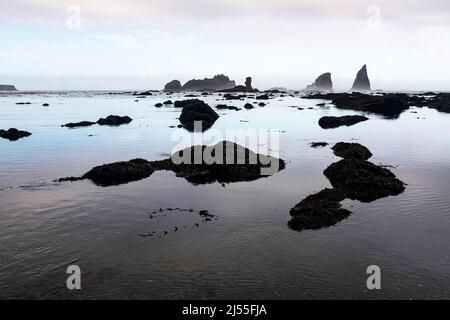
263	97
248	106
46	105
319	210
22	103
362	82
234	97
7	87
225	162
322	83
335	122
226	107
78	124
114	120
351	151
168	102
13	134
120	172
388	105
318	144
362	180
173	85
144	94
196	111
218	82
261	104
158	105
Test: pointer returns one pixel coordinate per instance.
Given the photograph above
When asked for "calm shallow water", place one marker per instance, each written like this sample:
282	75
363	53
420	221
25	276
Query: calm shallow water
249	252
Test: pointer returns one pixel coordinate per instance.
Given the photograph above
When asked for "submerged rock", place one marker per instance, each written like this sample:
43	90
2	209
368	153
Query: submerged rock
362	180
362	82
13	134
335	122
196	111
319	210
226	107
322	83
225	162
114	120
352	151
78	124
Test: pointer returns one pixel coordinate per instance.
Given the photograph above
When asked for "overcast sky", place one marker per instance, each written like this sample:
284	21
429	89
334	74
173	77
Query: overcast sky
141	44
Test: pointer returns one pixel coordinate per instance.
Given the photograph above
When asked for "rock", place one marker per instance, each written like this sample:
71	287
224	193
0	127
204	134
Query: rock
351	151
388	105
173	85
335	122
145	93
191	165
114	120
218	82
322	83
46	105
362	82
261	104
120	172
362	180
7	87
226	107
319	210
246	88
168	102
158	105
318	144
196	111
248	106
22	103
13	134
78	124
263	97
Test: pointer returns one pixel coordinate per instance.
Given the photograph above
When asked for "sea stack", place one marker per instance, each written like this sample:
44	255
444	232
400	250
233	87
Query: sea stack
322	83
248	84
173	85
362	82
7	87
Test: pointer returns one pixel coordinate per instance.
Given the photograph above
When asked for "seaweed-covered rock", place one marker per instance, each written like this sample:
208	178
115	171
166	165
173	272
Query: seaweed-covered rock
319	210
13	134
197	111
335	122
389	105
120	172
225	162
362	180
351	151
78	124
114	120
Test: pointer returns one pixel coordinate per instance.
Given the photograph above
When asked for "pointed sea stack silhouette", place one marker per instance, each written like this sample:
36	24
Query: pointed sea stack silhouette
362	82
322	83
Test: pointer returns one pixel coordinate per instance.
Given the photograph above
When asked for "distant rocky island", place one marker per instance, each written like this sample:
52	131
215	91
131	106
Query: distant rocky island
322	83
7	87
218	82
